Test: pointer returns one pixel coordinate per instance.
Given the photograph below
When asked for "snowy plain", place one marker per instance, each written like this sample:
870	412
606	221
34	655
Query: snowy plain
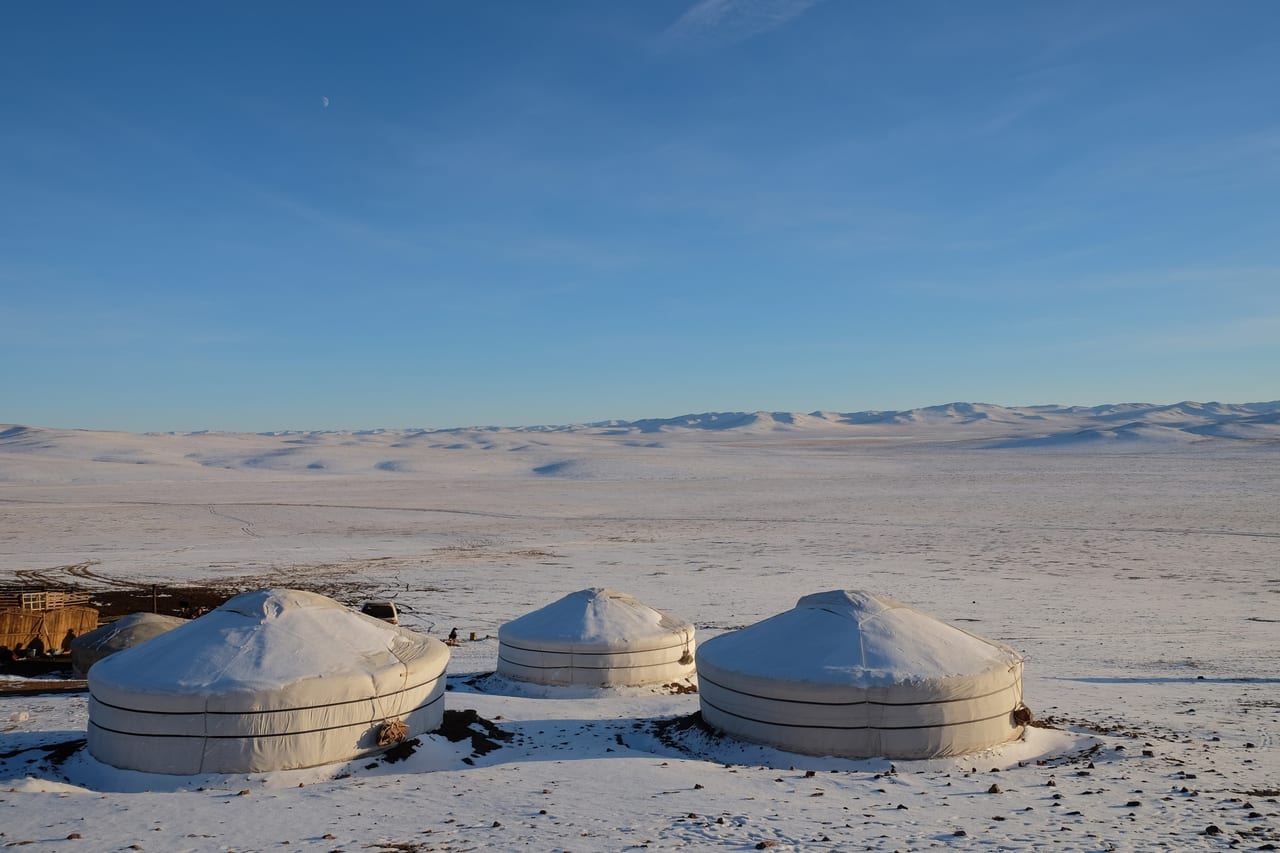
1130	553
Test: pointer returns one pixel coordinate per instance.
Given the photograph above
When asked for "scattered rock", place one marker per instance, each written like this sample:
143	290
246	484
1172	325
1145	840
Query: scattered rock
1213	829
73	836
994	789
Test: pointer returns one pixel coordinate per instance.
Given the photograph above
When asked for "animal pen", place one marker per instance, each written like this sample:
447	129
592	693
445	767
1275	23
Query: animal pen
49	619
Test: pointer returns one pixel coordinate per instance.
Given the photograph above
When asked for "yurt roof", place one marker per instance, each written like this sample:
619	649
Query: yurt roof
857	639
128	630
264	639
596	616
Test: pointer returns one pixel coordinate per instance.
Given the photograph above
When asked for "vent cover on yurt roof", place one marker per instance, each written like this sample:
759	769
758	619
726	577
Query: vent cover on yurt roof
124	633
599	638
271	680
860	675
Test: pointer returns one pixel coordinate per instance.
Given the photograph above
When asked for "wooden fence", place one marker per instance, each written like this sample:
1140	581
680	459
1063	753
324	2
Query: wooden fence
50	627
42	600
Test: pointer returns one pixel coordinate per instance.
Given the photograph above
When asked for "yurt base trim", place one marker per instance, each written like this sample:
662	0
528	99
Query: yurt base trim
703	679
291	709
363	724
968	722
576	665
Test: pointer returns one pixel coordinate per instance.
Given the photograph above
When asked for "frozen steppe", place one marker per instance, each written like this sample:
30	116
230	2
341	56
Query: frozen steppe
1133	559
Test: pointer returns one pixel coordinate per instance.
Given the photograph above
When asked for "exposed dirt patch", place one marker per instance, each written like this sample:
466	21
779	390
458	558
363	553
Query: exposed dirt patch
401	751
54	753
1112	729
467	724
12	687
668	731
122	599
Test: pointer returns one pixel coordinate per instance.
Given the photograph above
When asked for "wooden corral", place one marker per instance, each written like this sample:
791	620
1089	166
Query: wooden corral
47	618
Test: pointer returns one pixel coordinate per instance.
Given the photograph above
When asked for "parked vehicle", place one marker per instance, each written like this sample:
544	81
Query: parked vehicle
384	610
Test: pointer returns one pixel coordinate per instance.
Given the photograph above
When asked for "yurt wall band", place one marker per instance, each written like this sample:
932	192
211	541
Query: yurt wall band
577	665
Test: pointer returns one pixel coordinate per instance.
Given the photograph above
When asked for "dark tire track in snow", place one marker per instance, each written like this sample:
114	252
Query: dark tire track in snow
246	526
55	576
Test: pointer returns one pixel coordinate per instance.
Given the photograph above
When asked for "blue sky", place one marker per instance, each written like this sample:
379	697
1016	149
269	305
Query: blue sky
259	216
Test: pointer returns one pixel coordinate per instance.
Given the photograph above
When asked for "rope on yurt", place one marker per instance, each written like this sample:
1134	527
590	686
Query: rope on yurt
392	732
686	658
1022	715
393	729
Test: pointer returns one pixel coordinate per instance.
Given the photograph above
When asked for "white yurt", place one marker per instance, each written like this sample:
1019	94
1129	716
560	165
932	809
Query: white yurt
124	633
598	638
271	680
859	675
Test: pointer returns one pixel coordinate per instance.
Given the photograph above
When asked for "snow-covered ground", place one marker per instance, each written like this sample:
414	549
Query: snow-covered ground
1136	567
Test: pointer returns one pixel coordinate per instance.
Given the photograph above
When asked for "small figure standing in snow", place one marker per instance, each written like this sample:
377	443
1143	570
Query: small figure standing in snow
453	637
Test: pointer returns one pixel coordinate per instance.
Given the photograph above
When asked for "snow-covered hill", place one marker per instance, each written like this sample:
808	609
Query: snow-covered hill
657	447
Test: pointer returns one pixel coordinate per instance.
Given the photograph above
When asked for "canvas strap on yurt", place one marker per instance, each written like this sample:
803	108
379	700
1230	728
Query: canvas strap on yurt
1022	715
392	732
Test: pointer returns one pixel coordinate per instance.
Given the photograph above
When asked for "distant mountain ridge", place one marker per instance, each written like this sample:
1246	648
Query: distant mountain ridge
662	448
1222	420
999	426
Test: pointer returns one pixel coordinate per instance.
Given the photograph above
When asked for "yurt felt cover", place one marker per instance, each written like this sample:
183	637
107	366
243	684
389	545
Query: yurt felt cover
860	675
124	633
271	680
596	637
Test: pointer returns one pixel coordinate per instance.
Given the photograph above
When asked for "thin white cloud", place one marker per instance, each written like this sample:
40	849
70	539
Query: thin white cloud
1240	333
728	21
1226	336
